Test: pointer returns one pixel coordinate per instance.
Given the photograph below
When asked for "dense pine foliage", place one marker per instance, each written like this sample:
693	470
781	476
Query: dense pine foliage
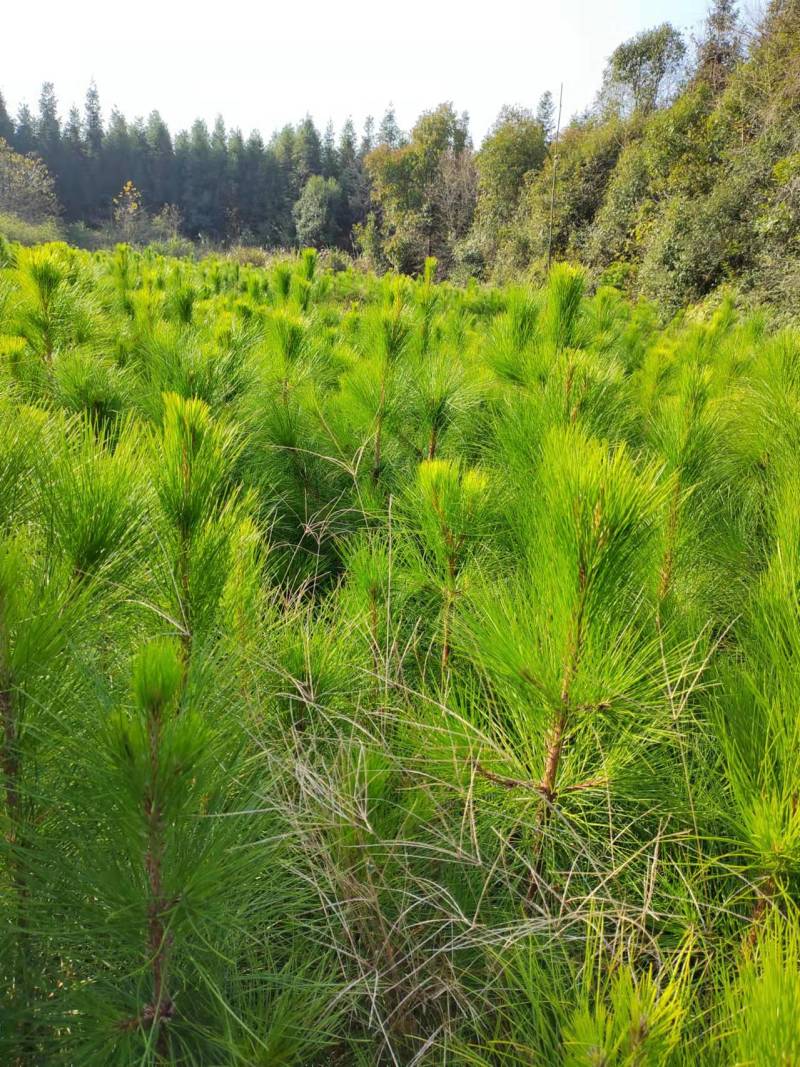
393	673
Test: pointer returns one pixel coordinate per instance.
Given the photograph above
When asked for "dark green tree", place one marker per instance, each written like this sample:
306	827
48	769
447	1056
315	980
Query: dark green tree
6	125
25	131
306	153
93	122
286	185
48	126
354	181
97	190
159	185
116	161
347	151
367	137
546	115
73	169
249	170
389	132
330	164
221	186
196	174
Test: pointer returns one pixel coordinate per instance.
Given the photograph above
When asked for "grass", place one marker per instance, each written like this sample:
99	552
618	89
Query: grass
392	673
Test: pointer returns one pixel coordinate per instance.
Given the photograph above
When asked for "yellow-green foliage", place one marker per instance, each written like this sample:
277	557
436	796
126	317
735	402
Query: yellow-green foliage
395	673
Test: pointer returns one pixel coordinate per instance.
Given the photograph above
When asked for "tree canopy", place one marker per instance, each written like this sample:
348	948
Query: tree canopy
27	189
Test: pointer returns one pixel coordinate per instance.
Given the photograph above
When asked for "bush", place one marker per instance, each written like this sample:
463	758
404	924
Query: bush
30	233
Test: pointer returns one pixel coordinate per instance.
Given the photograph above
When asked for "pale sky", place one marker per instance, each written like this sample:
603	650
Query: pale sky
263	64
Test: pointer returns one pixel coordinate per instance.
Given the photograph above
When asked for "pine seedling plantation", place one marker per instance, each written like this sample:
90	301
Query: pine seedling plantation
392	673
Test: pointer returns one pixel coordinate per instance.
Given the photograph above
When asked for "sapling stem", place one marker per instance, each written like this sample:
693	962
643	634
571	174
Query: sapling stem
555	743
158	939
558	729
668	559
376	466
767	892
433	442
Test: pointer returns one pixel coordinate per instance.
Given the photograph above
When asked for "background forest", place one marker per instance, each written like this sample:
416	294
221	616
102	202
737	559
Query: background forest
683	176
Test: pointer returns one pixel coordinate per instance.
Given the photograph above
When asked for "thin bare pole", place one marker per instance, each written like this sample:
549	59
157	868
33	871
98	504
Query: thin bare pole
553	185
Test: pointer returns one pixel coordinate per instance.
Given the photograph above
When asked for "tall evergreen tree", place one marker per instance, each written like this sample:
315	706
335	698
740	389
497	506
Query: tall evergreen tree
198	195
181	150
389	133
74	186
6	125
116	162
348	146
219	177
285	187
330	164
160	183
25	131
353	179
138	152
367	137
236	164
546	115
93	121
93	142
48	127
307	153
278	194
247	165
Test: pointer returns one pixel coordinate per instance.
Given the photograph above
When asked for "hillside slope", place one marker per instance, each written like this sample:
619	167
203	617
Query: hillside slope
689	197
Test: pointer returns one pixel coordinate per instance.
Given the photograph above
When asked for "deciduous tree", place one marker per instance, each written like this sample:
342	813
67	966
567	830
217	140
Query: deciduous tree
644	72
27	189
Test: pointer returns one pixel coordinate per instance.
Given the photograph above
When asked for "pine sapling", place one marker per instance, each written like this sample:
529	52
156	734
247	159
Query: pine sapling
157	683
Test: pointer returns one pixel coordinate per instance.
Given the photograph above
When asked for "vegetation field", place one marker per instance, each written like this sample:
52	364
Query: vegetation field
393	673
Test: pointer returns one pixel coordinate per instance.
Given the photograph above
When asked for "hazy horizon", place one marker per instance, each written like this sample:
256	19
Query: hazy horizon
265	69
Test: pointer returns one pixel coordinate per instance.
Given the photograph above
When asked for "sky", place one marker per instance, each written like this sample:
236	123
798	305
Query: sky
264	64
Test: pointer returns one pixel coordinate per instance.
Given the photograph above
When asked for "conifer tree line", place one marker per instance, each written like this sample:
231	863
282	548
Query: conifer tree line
225	185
